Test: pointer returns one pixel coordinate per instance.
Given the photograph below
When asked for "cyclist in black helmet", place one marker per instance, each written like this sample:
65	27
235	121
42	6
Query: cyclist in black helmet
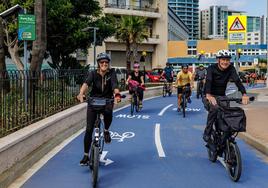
103	84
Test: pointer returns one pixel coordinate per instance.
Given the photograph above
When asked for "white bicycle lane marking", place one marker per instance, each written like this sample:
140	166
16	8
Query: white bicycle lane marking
158	143
164	110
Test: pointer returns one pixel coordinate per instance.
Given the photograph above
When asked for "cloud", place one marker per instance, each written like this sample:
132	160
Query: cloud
232	4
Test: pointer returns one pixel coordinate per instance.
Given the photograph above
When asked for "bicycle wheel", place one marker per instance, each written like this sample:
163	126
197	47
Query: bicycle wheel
234	163
164	91
183	104
137	106
170	91
132	105
95	167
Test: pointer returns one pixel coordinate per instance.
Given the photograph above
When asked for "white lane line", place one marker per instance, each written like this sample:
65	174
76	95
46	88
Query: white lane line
164	110
157	140
37	166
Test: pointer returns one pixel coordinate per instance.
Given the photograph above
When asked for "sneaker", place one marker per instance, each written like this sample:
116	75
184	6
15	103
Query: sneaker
107	137
84	161
189	100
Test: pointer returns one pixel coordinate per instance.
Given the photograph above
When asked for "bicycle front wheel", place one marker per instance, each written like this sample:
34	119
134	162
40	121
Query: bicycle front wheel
164	91
132	106
95	167
234	163
183	104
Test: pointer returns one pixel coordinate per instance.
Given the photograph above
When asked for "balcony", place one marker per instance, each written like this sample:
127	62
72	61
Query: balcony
143	8
153	39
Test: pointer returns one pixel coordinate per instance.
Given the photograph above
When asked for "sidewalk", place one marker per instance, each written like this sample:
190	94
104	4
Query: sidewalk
257	121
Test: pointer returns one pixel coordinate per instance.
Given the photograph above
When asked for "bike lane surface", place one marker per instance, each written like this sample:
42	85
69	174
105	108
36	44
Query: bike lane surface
136	162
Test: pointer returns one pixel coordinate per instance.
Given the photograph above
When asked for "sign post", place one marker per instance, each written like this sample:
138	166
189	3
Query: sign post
237	34
26	31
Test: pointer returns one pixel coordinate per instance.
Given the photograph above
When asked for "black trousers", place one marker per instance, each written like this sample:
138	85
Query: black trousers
91	118
212	113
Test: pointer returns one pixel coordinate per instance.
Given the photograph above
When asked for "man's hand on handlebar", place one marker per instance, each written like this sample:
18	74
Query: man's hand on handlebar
245	99
212	100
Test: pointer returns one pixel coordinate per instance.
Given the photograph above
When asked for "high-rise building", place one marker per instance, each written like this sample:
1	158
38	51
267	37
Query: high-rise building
156	12
214	22
188	11
263	30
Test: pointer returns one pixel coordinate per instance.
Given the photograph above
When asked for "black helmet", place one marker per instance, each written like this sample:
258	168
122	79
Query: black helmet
103	55
224	54
184	65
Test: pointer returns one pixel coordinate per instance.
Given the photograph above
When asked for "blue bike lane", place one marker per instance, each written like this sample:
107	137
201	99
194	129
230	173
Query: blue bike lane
167	150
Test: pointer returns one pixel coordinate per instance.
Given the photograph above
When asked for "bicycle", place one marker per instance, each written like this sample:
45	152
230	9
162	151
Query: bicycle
185	92
98	104
134	100
222	144
200	85
166	88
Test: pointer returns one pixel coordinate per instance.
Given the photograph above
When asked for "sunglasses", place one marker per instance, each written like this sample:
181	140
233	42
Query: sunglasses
102	62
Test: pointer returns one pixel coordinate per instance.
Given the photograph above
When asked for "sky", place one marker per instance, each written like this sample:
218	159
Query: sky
252	7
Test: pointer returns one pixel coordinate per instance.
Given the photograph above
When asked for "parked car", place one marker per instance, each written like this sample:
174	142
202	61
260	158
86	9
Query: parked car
152	76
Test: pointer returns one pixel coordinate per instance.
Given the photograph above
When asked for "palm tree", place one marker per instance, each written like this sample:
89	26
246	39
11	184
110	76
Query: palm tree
131	30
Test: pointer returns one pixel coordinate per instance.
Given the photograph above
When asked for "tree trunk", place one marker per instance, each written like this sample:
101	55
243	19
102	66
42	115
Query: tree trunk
4	79
14	53
128	56
135	51
39	45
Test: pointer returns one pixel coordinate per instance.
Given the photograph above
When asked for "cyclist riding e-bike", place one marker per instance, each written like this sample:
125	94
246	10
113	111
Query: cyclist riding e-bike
103	83
200	76
137	76
168	72
218	75
184	78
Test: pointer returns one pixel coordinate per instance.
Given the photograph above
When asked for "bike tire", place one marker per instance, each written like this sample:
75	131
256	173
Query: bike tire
183	104
132	106
95	168
235	167
164	91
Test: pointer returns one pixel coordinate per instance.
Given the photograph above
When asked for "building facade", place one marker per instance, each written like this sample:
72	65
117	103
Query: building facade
177	29
188	11
156	12
214	21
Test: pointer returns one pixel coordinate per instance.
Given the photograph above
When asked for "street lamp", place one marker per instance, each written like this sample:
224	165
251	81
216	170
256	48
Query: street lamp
94	42
238	54
10	11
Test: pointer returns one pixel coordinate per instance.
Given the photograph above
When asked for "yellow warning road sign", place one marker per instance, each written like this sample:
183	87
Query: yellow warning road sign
237	29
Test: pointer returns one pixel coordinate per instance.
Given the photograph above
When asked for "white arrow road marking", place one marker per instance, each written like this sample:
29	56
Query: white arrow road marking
164	110
107	161
157	140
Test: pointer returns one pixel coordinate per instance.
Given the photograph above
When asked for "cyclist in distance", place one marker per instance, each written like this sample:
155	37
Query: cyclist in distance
218	75
184	78
103	83
200	76
168	72
137	76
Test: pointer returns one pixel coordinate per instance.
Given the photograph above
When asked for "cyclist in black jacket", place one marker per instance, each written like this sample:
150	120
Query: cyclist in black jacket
218	75
103	84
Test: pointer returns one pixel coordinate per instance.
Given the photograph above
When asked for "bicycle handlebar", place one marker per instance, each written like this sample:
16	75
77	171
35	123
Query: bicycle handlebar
237	100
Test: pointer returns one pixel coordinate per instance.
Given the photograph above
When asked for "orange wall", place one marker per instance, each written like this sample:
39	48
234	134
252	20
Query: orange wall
211	46
179	48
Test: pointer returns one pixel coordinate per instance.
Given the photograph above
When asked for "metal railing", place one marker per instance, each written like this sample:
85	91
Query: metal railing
48	92
131	7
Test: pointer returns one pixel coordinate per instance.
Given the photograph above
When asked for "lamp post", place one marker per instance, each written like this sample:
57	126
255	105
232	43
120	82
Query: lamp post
238	54
142	59
94	41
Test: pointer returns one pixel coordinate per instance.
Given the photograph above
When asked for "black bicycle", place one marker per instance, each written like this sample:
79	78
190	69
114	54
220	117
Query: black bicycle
166	89
200	86
98	105
135	101
222	144
185	93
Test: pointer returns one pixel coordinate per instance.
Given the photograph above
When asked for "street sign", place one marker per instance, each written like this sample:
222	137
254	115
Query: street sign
237	29
256	61
27	27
